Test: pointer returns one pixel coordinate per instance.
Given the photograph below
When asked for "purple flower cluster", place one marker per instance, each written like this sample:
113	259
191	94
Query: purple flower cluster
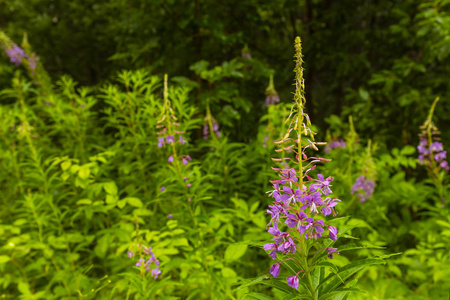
363	188
146	264
215	128
296	208
17	54
434	152
339	143
163	140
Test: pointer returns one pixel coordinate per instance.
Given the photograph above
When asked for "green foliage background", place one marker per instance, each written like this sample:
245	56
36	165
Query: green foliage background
90	169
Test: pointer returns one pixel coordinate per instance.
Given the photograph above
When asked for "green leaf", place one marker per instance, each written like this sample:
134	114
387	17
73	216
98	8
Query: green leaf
342	292
4	259
252	281
258	296
84	202
408	150
66	165
335	280
84	172
136	202
110	188
235	251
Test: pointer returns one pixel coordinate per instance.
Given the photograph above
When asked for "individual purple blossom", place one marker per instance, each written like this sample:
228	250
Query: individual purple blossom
162	189
436	147
323	184
275	270
170	159
170	139
130	254
329	205
140	263
288	246
313	202
156	272
332	232
188	185
182	140
294	219
293	282
440	156
170	216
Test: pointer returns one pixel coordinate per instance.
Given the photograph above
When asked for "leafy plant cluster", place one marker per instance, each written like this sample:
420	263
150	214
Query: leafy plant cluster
147	186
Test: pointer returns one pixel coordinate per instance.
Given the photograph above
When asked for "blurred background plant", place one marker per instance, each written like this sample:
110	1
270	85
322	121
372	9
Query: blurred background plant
82	90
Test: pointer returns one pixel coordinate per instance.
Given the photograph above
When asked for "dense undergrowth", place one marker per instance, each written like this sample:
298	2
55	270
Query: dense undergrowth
144	188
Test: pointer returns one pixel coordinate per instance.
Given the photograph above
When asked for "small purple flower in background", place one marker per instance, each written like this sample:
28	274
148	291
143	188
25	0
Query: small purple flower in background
140	263
16	54
156	272
130	254
161	142
215	128
170	216
182	140
292	281
363	188
162	189
335	143
265	139
188	185
170	159
32	61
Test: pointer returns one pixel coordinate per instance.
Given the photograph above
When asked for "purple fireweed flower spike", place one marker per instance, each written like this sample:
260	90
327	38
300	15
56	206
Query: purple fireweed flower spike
301	201
146	260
